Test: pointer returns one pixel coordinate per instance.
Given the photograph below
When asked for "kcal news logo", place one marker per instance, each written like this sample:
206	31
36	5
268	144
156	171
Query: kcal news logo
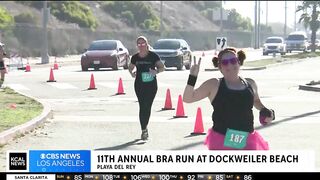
17	161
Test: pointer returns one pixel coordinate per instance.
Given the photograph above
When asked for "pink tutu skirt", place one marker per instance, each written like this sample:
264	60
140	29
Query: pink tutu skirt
215	140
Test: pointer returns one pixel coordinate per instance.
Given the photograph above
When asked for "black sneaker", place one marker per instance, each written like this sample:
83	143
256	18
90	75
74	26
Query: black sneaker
144	134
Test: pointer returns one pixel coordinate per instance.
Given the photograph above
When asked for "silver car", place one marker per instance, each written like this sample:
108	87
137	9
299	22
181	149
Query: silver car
274	45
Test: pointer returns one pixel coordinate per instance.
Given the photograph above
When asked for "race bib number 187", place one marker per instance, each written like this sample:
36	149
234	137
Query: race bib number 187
235	139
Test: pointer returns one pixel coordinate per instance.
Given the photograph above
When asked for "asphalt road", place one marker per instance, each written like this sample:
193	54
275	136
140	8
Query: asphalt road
97	119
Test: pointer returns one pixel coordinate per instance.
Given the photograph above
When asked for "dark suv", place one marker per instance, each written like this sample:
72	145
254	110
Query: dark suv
173	52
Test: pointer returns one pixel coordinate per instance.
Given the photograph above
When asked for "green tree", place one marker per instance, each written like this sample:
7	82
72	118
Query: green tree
236	21
310	17
6	20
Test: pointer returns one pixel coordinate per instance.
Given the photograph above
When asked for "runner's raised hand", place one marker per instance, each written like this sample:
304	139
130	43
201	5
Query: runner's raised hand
194	70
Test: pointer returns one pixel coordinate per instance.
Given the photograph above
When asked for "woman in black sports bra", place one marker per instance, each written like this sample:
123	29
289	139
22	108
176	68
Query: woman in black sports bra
232	98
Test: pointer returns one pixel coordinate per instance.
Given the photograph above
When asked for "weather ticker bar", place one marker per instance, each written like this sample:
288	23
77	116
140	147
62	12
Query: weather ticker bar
157	176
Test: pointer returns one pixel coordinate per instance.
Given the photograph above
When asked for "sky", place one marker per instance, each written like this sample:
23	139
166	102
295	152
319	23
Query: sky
276	10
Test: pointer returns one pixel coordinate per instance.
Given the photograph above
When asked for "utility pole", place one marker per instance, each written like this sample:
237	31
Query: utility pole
45	17
161	25
259	14
255	24
221	14
295	16
285	19
266	13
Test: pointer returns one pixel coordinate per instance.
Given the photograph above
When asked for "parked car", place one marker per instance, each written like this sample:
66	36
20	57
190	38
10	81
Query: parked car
274	45
317	44
297	41
105	54
173	52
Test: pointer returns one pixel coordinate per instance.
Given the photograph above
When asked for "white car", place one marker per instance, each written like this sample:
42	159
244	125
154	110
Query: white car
274	45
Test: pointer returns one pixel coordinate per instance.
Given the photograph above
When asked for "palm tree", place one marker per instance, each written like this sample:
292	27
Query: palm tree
310	19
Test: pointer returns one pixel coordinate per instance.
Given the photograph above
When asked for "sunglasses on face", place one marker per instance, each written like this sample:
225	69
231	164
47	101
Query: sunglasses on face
233	61
141	44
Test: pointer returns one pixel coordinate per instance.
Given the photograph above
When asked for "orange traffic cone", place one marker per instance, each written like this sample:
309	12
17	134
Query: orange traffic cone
180	110
55	65
198	126
203	54
28	68
120	88
92	84
168	104
51	77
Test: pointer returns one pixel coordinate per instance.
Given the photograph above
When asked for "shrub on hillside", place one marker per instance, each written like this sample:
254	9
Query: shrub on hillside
68	11
6	20
25	18
133	13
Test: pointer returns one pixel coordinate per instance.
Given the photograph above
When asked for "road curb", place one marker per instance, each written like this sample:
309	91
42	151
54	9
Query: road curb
286	62
309	88
13	132
264	67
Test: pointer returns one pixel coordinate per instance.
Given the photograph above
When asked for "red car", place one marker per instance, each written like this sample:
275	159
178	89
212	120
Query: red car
105	54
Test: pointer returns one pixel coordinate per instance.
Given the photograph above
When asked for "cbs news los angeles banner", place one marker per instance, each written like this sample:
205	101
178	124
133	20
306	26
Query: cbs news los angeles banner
46	164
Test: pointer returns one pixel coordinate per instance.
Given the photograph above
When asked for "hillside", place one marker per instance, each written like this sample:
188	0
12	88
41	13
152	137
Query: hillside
180	20
16	8
176	15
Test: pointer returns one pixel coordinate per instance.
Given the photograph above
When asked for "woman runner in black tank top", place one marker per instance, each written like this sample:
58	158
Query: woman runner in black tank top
233	108
232	98
146	65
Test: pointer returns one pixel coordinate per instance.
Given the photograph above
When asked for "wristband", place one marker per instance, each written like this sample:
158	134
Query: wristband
192	80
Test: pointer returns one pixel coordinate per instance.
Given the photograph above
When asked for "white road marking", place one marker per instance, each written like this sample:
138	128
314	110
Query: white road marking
63	85
109	84
18	87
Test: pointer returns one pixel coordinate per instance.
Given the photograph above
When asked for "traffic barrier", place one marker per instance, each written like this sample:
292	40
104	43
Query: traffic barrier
198	126
92	84
168	103
51	77
15	61
180	109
